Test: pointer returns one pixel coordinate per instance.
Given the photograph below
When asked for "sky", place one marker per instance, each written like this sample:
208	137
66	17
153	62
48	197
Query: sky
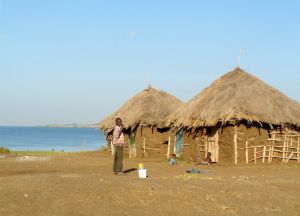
77	61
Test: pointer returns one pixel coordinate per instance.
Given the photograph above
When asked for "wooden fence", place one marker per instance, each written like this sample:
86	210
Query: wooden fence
283	145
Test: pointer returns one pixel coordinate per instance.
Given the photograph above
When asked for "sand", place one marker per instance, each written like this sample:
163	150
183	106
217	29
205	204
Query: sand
83	184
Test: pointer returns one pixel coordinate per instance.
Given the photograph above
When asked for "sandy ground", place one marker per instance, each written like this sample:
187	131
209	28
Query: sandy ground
83	184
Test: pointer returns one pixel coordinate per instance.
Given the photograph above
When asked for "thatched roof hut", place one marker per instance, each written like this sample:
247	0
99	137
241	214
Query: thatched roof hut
149	108
237	96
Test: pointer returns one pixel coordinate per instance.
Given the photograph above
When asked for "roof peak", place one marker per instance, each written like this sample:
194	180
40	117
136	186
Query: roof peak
150	106
237	69
149	88
237	95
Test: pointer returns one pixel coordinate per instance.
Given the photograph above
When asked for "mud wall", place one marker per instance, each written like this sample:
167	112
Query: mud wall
156	141
194	144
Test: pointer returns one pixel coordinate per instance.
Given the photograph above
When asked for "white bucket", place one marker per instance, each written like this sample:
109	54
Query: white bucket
142	173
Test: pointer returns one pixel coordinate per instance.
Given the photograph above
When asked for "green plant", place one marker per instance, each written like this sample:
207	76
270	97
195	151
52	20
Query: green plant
4	150
103	148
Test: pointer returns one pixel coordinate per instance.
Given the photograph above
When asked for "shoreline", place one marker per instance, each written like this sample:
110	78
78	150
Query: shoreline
52	152
51	126
42	152
70	126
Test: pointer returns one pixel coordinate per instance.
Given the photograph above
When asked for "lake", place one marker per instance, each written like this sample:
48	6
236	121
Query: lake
51	138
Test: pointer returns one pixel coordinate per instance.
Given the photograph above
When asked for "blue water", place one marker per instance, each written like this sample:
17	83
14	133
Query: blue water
47	138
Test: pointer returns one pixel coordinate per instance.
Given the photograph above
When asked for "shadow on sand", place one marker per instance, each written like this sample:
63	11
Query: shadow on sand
130	170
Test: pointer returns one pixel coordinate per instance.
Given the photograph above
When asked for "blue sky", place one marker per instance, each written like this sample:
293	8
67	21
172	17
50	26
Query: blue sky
78	61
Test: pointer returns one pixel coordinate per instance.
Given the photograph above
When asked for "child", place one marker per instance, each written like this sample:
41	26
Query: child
173	160
207	160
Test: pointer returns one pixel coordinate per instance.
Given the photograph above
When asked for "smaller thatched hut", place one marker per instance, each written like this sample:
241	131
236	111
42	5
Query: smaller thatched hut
143	117
239	118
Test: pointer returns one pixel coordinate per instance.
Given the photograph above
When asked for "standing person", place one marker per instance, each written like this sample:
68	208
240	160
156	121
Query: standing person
118	141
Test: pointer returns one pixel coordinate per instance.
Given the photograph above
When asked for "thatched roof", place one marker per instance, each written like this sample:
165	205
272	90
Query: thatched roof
237	96
149	107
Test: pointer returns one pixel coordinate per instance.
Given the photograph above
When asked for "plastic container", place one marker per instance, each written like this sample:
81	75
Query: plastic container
142	173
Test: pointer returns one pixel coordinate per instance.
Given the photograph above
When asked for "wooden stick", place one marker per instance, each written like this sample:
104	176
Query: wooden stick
273	143
235	145
264	154
255	154
283	149
274	132
217	146
270	152
274	157
257	146
287	160
286	147
280	151
205	146
274	139
296	135
246	153
280	140
298	150
174	151
153	149
112	148
144	147
169	146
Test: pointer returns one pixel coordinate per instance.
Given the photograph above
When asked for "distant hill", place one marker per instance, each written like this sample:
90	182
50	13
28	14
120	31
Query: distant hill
74	125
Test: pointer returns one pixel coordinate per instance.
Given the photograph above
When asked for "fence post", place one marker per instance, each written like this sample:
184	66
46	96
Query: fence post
235	145
246	153
255	154
169	146
264	154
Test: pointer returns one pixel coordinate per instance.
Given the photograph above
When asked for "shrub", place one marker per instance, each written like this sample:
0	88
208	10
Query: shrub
4	150
104	148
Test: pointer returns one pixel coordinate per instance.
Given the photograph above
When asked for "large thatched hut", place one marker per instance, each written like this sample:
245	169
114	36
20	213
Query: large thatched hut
143	117
239	118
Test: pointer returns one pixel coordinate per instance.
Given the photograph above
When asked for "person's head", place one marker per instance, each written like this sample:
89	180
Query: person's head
208	154
174	155
118	121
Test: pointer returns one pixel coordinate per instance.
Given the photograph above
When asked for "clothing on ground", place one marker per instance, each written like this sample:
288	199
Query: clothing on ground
172	161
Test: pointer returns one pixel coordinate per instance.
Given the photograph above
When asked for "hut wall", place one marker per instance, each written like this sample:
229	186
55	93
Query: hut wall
255	136
193	146
263	145
188	148
226	148
156	142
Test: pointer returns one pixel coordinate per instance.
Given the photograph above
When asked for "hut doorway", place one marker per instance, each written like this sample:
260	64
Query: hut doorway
213	144
132	145
179	137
